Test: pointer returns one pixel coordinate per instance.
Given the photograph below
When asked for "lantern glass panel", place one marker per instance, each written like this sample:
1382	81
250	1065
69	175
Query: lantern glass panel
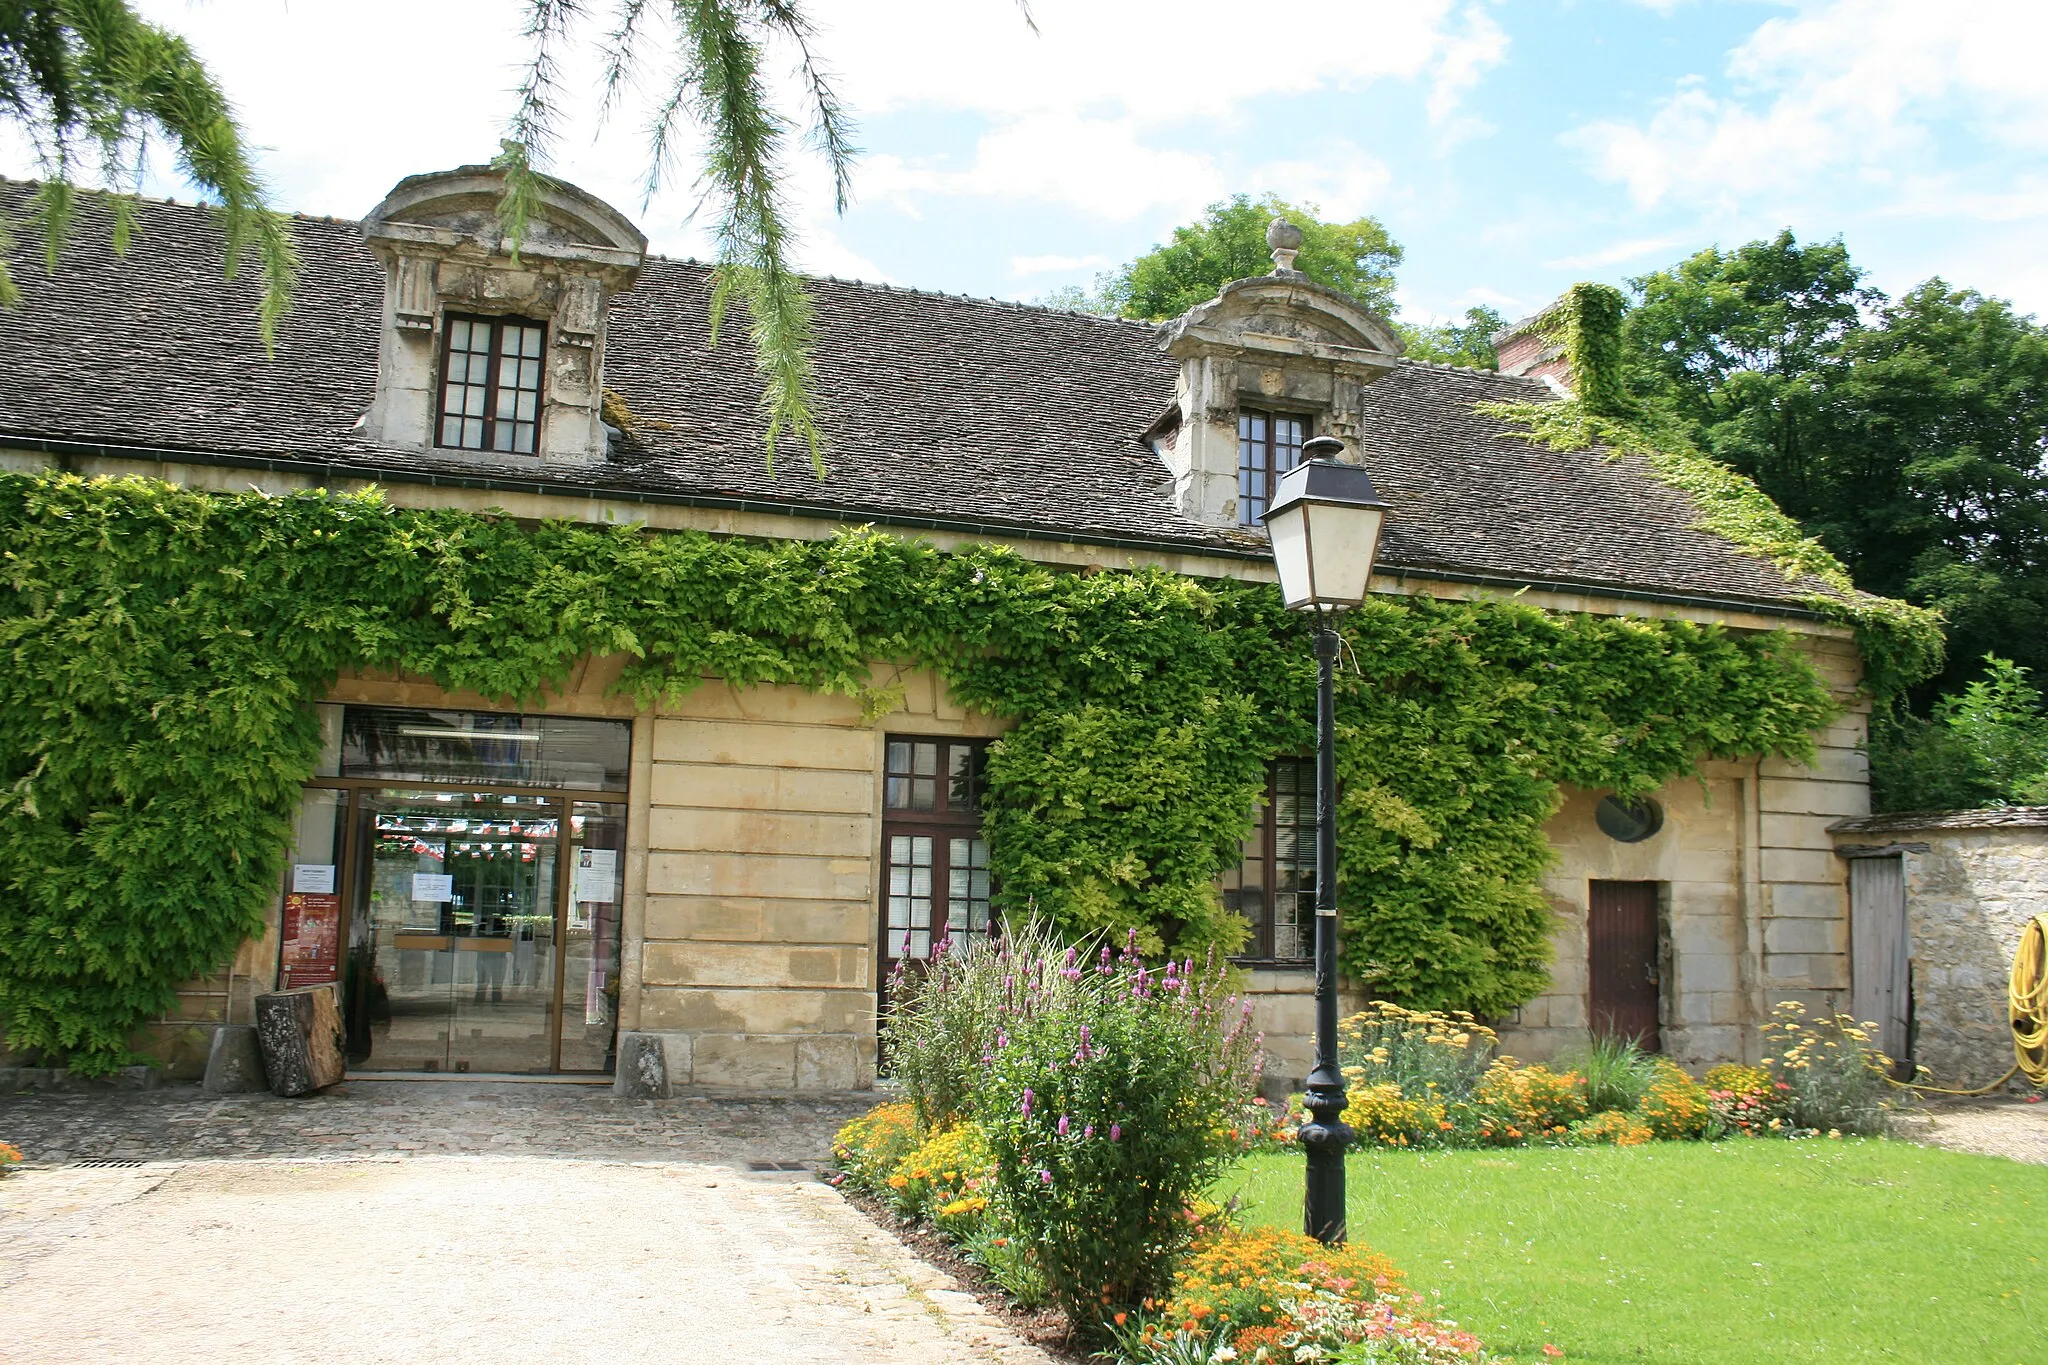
1341	539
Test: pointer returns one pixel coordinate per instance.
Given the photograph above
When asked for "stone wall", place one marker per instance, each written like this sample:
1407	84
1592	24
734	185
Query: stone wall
1973	879
756	954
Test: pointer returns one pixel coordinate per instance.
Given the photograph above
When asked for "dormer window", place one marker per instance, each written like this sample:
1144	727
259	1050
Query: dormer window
1268	445
490	384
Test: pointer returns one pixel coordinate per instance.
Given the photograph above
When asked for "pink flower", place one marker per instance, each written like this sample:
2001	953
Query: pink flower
1045	1177
1027	1102
1063	1125
1116	1130
1089	1131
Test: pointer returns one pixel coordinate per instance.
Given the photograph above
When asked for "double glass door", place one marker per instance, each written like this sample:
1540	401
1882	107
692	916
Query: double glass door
483	931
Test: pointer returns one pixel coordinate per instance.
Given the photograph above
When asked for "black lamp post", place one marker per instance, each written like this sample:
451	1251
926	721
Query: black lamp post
1324	524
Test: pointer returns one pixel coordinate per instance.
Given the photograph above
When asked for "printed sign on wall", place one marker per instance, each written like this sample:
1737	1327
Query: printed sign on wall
313	877
597	872
312	938
433	886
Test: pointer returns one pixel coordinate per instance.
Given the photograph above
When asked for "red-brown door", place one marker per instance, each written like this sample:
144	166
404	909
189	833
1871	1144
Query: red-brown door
1622	948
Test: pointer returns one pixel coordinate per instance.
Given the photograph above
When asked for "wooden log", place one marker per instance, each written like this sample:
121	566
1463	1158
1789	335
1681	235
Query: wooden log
301	1035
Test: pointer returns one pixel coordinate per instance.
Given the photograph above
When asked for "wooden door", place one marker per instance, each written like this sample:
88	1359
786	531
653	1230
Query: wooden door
1622	951
1878	951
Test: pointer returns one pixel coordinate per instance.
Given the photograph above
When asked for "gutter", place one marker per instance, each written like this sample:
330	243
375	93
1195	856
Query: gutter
540	488
1669	599
327	469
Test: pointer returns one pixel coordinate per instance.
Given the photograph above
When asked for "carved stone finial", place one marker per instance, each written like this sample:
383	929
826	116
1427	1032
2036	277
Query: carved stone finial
1285	239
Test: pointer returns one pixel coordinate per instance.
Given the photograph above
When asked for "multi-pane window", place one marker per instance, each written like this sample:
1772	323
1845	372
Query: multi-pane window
490	384
1268	445
1274	888
936	875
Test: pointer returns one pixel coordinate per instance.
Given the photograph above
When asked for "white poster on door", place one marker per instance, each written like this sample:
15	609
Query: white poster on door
317	878
597	872
433	886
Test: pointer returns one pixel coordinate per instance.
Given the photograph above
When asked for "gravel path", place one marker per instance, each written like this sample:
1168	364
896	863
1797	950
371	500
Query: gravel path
456	1222
1991	1126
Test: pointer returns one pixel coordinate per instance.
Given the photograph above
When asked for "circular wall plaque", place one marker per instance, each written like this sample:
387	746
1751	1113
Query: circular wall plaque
1630	822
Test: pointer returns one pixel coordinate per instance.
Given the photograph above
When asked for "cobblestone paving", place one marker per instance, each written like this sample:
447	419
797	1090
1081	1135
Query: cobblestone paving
409	1221
441	1118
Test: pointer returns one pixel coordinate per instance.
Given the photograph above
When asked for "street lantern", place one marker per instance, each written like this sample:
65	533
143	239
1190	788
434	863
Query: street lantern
1324	524
1325	528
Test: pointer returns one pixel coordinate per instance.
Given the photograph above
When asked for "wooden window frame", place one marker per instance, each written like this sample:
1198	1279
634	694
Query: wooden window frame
1260	949
942	823
493	371
1253	502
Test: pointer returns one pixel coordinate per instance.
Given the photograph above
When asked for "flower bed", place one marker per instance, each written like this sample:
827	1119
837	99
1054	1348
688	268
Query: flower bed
1421	1079
1064	1112
1254	1295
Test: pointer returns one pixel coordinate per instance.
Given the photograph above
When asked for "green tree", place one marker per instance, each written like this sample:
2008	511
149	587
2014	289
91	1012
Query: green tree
1229	243
1910	437
88	81
1453	343
1987	745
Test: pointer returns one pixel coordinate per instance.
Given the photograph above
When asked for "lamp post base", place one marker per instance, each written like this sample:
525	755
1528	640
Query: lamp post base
1323	1200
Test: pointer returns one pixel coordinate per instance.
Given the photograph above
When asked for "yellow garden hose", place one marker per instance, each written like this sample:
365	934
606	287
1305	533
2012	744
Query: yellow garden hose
2026	999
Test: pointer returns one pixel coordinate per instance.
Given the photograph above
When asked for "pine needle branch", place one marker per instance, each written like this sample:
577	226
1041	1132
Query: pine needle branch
92	72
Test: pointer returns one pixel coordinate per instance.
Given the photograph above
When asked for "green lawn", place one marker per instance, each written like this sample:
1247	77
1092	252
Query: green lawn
1738	1251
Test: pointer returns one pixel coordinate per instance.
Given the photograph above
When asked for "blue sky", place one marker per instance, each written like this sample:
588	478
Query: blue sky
1512	146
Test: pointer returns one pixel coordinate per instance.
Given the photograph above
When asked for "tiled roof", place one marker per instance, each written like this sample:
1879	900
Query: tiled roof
1910	821
940	410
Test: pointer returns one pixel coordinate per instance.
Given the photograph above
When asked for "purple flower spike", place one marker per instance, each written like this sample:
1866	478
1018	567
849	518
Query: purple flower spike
1027	1102
1044	1177
1089	1131
1063	1125
1116	1131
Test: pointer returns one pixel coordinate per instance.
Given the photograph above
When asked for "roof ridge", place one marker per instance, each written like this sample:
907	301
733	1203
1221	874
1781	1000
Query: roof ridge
884	286
1016	305
1422	364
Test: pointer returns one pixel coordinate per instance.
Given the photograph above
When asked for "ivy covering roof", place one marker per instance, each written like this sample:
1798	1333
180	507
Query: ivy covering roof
966	413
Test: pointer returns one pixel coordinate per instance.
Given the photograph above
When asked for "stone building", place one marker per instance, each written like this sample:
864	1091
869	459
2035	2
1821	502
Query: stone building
718	874
1939	899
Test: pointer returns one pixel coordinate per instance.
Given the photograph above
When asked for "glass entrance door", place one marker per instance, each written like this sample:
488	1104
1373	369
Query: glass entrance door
454	939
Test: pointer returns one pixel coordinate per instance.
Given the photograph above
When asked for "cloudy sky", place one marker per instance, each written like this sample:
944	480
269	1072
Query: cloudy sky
1511	146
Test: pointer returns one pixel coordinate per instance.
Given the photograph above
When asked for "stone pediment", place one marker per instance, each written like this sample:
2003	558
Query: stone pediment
460	208
1285	314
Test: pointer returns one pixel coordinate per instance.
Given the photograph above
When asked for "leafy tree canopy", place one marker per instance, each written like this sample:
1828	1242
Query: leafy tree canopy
1229	243
1456	343
1910	436
1985	746
88	81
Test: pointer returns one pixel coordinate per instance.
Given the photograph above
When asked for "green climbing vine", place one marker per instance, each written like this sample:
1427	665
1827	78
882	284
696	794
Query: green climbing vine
162	647
1901	643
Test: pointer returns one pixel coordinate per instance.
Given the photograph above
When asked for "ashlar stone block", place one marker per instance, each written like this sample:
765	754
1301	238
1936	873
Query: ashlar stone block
744	1061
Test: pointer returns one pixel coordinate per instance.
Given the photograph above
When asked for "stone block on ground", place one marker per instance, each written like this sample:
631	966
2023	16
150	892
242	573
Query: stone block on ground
642	1072
234	1063
300	1032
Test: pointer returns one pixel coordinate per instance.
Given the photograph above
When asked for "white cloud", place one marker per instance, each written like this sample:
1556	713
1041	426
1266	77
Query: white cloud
1156	61
1055	265
1102	167
1341	179
1138	111
1620	253
1862	88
